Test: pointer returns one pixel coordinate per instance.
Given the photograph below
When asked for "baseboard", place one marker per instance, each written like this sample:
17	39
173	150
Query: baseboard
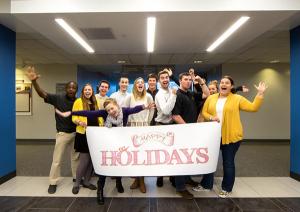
8	177
266	141
295	175
35	141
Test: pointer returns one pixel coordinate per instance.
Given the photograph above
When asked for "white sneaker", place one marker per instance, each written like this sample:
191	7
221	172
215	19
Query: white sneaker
223	194
200	188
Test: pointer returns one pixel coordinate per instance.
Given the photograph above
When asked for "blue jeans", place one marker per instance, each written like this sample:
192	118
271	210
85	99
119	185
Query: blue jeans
180	182
228	153
207	181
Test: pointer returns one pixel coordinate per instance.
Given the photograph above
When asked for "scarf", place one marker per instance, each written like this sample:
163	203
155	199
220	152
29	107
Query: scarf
110	121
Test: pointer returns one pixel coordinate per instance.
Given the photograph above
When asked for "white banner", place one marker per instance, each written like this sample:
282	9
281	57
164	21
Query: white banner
180	149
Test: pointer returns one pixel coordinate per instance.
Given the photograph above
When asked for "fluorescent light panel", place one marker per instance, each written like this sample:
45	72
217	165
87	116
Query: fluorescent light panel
151	22
74	34
228	32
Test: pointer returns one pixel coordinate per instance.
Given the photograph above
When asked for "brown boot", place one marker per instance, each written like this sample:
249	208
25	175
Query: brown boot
135	184
142	185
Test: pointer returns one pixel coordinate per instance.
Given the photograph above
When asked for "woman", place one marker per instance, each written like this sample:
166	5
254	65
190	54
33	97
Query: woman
225	107
139	96
87	101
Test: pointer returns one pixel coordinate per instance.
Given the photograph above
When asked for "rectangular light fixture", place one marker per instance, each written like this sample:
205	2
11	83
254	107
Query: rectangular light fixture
228	32
151	22
74	34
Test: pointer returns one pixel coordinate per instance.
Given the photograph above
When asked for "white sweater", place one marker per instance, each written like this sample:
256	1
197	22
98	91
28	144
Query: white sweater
164	101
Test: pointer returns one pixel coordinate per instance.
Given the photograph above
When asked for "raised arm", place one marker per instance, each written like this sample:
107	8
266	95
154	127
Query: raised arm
90	114
33	76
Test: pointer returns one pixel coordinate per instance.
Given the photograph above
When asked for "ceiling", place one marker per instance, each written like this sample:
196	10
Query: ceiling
181	38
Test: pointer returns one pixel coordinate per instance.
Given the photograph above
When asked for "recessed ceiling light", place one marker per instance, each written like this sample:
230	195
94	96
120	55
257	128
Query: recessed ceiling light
121	61
227	33
198	61
274	61
74	34
151	23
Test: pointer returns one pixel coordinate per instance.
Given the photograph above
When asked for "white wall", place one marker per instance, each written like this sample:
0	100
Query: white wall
41	124
273	119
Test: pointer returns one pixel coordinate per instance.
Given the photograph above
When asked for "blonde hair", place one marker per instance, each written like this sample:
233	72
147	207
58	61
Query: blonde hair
213	82
110	101
135	92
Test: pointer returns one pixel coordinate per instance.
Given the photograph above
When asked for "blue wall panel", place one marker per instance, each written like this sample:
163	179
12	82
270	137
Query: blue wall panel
8	114
295	101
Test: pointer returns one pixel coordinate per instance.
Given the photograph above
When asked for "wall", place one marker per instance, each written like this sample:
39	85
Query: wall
273	119
8	119
41	124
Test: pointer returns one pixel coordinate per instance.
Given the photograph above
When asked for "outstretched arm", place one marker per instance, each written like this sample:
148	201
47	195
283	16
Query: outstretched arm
33	76
246	105
90	114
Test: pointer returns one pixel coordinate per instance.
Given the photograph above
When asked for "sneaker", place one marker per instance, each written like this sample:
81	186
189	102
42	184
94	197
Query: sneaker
75	189
223	194
160	182
200	188
185	194
192	183
52	189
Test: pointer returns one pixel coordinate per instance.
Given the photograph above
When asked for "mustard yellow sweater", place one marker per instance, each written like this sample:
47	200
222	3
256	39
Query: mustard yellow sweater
232	130
79	106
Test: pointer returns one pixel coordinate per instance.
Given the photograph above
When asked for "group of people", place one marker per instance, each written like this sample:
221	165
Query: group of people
192	102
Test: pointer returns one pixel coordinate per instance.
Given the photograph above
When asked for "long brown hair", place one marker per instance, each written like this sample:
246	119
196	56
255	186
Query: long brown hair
135	92
85	102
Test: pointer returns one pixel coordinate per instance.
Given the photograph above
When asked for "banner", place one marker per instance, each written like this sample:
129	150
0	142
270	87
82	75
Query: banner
180	149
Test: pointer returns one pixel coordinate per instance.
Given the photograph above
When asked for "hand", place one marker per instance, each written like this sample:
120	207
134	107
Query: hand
199	80
31	74
174	91
150	106
215	118
245	89
83	124
261	88
63	114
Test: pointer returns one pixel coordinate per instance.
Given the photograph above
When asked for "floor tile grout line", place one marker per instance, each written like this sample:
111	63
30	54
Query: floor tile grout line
259	195
282	204
196	204
110	204
237	205
68	208
288	185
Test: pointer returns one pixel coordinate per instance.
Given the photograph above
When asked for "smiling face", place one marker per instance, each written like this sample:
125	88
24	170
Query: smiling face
112	109
212	89
103	89
87	91
71	89
225	86
164	80
140	85
123	83
152	83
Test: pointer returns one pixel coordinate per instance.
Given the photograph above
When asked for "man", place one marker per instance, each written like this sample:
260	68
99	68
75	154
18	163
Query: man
122	93
103	88
164	100
65	135
152	90
185	111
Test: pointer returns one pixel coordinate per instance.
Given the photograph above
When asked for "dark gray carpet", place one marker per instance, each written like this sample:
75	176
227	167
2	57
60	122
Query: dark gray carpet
263	159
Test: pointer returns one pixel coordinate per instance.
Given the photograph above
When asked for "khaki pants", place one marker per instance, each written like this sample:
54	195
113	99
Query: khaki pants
63	140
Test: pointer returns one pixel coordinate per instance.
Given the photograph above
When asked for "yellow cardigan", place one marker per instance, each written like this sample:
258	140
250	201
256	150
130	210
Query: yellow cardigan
79	106
232	130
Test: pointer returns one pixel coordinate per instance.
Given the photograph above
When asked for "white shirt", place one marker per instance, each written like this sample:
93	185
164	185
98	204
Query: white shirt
120	97
164	101
144	117
220	107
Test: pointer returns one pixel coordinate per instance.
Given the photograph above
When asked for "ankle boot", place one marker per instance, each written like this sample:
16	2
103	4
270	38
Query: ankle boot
100	197
119	185
142	185
135	184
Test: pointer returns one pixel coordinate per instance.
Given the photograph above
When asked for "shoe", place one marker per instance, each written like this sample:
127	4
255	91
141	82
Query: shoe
191	183
119	186
90	186
200	188
52	189
100	197
75	189
223	194
160	182
142	185
185	194
172	181
135	184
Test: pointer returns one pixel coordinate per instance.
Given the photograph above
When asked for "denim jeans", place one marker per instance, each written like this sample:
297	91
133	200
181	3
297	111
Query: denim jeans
207	181
228	153
180	182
